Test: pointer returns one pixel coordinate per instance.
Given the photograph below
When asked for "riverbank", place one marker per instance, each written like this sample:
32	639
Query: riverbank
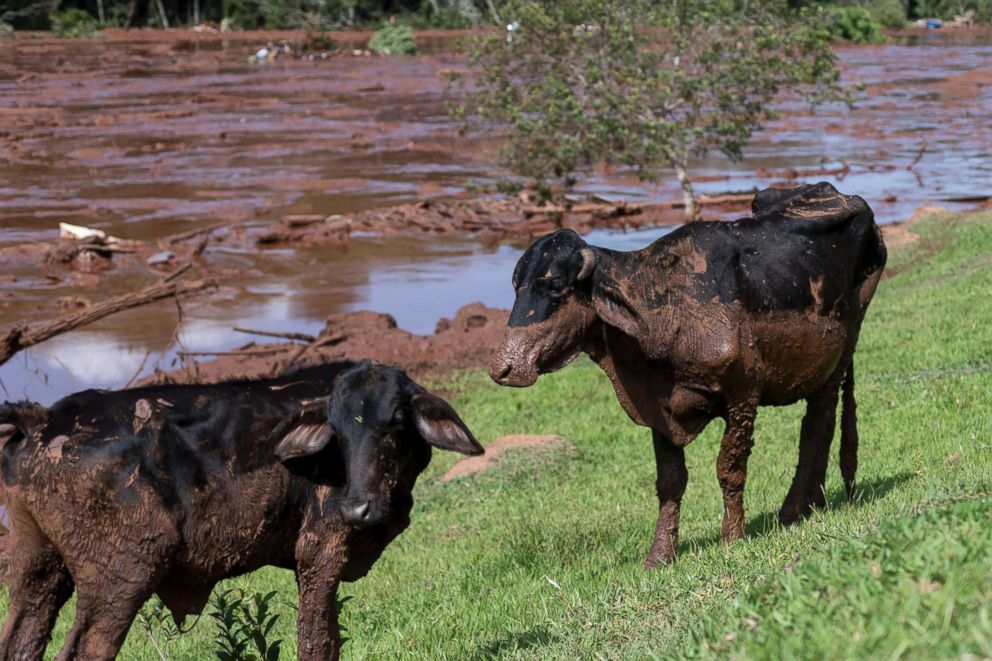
540	555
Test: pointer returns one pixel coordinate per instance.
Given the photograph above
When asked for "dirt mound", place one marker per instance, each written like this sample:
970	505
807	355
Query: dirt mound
467	340
472	465
498	218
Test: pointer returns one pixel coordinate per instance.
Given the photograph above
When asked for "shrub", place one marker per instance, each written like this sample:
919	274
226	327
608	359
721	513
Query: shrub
6	30
948	9
854	24
889	13
394	40
244	621
583	82
74	23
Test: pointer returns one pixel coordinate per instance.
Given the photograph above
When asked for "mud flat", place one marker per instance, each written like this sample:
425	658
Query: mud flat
337	184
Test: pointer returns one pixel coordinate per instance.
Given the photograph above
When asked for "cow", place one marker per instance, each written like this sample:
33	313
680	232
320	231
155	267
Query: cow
712	321
168	489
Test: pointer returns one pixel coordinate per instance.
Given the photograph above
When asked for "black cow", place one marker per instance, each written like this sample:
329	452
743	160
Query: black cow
712	321
169	489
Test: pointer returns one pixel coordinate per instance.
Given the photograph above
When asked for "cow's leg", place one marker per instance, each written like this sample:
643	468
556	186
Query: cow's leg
115	577
672	478
104	613
849	434
807	490
731	466
318	634
319	557
39	586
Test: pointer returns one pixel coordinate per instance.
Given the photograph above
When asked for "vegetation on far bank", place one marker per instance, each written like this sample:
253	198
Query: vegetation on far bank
540	557
857	20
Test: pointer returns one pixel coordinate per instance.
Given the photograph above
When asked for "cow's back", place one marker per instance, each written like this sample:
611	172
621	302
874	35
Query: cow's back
190	462
778	297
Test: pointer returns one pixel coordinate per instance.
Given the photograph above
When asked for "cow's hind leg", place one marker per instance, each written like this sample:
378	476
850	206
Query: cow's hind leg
40	584
731	466
807	490
104	613
672	478
849	434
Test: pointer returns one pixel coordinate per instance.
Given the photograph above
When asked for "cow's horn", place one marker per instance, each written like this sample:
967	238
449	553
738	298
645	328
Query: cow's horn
588	263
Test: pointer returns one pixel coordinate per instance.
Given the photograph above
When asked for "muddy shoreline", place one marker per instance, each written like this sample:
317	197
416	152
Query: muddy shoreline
317	187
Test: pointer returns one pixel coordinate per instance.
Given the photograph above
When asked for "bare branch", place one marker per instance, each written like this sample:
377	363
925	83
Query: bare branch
22	336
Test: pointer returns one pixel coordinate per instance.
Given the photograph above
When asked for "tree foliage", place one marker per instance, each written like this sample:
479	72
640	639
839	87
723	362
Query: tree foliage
582	82
252	14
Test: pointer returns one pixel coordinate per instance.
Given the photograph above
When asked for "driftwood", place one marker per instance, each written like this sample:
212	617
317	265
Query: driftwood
326	341
261	351
189	234
302	337
22	335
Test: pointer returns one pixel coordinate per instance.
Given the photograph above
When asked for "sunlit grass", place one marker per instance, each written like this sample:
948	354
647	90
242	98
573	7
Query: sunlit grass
541	556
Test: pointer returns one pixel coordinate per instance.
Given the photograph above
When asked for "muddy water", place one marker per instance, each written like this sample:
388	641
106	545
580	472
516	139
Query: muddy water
415	279
144	139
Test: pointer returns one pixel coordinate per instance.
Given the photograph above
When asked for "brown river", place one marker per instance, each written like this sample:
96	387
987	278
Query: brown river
145	136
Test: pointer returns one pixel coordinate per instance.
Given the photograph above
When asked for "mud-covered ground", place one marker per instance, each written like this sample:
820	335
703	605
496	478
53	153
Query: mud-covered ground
335	184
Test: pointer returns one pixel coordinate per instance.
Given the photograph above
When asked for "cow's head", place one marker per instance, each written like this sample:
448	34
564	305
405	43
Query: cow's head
380	424
553	310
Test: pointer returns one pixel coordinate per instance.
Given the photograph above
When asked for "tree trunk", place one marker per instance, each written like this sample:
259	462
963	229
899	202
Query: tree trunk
688	195
494	15
196	12
161	13
132	11
100	14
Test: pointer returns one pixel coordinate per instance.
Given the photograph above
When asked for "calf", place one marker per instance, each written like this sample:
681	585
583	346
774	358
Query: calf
712	321
170	489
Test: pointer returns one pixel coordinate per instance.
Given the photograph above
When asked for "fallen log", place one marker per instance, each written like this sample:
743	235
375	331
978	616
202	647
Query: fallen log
22	336
189	234
302	337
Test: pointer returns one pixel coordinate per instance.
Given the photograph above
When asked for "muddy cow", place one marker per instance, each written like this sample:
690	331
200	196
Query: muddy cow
169	489
712	321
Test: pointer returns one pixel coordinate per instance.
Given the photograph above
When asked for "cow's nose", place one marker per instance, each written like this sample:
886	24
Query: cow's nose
356	513
500	369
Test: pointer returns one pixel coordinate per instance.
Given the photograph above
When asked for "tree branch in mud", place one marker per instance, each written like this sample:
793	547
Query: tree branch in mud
22	336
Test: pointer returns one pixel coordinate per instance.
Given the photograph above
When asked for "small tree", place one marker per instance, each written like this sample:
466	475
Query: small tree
580	82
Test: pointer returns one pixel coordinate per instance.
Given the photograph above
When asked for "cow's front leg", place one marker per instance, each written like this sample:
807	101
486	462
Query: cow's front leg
672	478
319	566
731	467
318	636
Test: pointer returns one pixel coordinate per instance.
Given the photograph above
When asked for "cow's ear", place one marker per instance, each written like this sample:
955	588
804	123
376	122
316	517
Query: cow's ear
304	433
613	308
439	425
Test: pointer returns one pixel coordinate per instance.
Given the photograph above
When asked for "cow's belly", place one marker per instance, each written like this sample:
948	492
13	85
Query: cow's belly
244	527
795	354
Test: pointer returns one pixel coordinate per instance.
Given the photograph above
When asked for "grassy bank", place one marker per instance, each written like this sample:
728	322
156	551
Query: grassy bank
541	556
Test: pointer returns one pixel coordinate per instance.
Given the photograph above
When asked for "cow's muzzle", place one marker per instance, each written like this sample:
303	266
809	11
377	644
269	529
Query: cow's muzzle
506	373
513	365
358	513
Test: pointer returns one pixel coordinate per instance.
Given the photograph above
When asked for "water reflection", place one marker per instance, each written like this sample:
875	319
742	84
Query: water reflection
415	279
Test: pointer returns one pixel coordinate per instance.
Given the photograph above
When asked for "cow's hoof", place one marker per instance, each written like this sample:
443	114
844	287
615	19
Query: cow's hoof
655	561
791	516
787	518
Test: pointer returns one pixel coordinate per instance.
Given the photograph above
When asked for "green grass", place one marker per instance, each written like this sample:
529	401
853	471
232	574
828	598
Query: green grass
541	557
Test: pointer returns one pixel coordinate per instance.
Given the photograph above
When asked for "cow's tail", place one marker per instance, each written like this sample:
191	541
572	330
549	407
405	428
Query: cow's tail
849	433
